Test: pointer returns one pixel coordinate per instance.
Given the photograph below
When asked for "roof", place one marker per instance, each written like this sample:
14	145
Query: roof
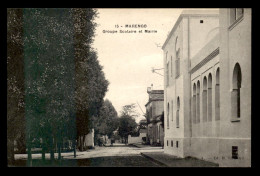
157	91
155	95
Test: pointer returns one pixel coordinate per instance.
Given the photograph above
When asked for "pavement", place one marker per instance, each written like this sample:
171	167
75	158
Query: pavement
139	145
135	155
104	151
118	155
167	160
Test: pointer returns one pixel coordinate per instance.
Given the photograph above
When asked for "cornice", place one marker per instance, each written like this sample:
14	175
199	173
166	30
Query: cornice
157	99
204	61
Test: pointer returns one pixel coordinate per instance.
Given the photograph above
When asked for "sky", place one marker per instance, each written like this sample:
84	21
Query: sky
128	58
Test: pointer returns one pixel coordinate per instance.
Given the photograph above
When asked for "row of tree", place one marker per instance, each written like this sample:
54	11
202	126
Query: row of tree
109	122
55	83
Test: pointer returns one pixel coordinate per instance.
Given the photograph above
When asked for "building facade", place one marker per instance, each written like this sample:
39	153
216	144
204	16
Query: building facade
154	111
207	61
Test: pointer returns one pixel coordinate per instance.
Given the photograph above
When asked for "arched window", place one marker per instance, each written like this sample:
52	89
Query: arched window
194	103
168	109
204	100
178	113
237	79
217	97
210	97
171	66
177	63
177	58
167	74
176	44
172	110
198	102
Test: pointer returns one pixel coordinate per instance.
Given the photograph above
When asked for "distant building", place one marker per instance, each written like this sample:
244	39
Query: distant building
138	139
207	89
143	130
88	141
154	110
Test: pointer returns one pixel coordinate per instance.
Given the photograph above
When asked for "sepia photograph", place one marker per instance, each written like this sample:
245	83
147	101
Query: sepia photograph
129	87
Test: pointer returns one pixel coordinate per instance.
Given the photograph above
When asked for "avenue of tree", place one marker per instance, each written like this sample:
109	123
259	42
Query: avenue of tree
55	84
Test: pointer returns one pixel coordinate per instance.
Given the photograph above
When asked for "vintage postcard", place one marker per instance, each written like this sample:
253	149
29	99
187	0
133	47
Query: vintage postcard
129	87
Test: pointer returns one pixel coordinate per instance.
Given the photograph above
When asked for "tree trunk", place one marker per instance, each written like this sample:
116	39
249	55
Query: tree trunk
52	149
74	146
21	144
59	141
10	152
29	152
62	145
55	144
83	142
43	149
78	144
59	150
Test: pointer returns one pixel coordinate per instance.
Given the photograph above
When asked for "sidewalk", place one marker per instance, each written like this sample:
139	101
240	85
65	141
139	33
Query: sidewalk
139	145
167	160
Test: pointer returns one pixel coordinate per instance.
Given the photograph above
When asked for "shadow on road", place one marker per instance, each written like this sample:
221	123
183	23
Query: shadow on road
124	145
109	161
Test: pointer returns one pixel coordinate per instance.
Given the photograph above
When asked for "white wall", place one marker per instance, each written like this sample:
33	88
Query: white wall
235	48
138	139
200	33
89	139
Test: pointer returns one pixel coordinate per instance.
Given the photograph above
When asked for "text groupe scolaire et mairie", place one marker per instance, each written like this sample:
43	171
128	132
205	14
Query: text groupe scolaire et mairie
140	26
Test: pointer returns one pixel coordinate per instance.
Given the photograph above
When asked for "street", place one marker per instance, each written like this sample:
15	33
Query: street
118	155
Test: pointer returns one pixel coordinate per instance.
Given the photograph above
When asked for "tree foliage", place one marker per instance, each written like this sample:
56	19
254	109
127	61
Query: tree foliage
127	124
107	122
91	84
56	85
130	110
49	75
143	124
15	80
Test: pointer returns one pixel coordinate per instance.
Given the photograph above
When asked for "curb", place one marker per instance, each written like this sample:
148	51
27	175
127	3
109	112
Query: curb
154	160
134	145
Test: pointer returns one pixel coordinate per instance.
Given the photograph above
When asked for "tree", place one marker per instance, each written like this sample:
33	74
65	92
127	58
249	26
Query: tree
49	77
107	122
130	110
127	124
55	82
143	124
15	83
91	84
